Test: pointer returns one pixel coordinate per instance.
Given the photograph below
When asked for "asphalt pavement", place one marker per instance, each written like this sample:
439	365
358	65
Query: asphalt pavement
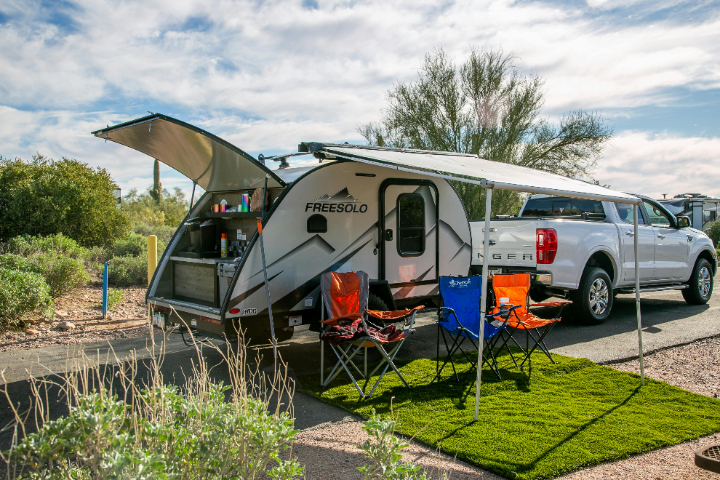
667	321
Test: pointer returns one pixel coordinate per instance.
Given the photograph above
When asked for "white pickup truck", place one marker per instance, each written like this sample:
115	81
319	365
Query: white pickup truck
583	250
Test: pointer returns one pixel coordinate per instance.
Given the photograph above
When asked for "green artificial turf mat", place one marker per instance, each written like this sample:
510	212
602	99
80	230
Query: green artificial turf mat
540	423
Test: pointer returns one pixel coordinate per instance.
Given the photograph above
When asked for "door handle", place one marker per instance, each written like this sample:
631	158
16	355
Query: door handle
388	235
492	242
629	233
660	235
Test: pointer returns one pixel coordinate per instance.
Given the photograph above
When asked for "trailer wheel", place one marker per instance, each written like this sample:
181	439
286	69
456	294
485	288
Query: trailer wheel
593	300
700	286
376	303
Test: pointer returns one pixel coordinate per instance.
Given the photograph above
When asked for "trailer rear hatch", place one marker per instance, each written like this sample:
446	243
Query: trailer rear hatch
207	160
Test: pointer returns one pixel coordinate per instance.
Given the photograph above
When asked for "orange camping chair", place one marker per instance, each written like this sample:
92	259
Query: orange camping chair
516	289
348	330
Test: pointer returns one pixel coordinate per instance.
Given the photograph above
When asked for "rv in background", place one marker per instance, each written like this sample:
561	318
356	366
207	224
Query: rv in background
701	209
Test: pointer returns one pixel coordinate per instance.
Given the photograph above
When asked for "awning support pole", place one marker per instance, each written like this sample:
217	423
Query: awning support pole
267	285
637	294
483	296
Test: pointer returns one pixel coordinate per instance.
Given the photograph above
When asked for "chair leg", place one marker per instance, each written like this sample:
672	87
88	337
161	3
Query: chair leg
390	363
335	371
539	342
450	351
362	394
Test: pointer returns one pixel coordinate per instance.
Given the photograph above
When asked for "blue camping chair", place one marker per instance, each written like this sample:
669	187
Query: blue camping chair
460	319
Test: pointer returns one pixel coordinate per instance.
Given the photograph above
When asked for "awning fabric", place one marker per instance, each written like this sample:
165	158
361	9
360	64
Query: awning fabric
209	161
472	169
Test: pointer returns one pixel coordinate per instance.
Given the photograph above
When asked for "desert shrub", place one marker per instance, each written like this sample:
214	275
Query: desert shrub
169	211
115	298
128	271
27	245
132	244
62	274
714	233
18	263
200	430
383	450
21	292
44	197
59	259
164	233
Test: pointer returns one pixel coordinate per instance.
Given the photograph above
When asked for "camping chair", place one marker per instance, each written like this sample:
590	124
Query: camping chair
460	318
516	289
348	330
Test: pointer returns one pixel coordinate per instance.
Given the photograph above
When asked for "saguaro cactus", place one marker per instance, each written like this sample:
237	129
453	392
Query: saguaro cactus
157	186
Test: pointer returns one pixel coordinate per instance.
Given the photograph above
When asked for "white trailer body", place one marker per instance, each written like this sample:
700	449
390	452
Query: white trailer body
404	229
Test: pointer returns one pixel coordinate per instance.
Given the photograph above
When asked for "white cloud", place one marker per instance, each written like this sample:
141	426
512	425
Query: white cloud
653	164
266	75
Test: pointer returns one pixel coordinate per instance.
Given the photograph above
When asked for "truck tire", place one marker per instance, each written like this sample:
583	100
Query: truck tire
593	300
700	286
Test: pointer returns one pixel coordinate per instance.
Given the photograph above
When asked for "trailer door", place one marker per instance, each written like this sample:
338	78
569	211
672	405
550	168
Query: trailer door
409	233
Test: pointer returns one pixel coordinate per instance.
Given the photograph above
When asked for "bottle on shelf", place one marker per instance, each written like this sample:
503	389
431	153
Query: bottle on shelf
223	245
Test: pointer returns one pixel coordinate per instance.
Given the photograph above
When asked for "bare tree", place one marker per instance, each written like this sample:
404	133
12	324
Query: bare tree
488	107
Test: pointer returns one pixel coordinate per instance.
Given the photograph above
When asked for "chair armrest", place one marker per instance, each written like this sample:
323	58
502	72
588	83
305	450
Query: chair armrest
551	304
444	313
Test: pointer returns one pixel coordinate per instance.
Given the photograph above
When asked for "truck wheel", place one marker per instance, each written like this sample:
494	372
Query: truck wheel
700	286
593	301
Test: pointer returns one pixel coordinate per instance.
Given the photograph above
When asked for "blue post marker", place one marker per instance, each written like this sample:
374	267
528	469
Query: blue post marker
105	290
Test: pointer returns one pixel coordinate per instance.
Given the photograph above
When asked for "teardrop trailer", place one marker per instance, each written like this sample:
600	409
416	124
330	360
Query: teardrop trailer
405	229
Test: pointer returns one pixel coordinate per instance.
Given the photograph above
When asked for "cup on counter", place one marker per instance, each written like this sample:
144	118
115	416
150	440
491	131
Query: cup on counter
222	207
216	208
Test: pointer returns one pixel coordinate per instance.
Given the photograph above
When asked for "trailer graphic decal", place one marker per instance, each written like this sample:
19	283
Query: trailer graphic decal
342	201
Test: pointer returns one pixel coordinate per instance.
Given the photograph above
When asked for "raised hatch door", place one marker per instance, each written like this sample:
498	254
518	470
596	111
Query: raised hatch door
209	161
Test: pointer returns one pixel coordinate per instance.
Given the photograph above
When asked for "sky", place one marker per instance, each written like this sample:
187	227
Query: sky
266	75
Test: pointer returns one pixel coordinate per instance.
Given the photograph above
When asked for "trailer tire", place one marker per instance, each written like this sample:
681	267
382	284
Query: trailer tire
376	303
700	286
593	300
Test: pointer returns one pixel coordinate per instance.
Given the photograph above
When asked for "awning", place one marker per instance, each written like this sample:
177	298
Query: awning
472	169
207	160
490	175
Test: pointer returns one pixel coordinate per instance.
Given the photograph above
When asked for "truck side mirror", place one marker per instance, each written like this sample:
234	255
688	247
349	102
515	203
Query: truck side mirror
683	221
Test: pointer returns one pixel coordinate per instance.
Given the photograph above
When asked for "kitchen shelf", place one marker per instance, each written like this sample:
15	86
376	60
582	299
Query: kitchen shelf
231	215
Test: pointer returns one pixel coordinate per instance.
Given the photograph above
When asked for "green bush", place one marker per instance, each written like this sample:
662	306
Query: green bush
62	274
115	298
163	233
27	245
21	292
60	260
44	197
128	271
144	209
714	233
132	244
18	263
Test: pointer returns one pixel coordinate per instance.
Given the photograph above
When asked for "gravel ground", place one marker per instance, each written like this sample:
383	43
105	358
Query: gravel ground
332	447
83	308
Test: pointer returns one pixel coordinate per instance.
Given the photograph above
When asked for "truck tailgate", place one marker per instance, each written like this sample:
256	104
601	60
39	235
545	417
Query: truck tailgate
514	242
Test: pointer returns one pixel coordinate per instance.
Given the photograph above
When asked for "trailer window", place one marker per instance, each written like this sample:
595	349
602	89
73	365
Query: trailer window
560	207
411	224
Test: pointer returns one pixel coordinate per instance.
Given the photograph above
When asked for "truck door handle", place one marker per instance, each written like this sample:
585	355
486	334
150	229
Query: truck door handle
660	235
629	233
388	235
491	242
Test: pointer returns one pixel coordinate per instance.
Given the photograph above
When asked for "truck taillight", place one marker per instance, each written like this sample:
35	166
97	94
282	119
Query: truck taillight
546	246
